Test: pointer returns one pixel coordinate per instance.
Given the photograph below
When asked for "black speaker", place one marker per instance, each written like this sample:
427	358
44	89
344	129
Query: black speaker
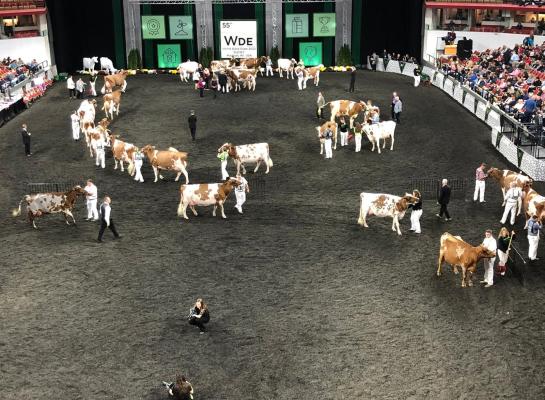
464	48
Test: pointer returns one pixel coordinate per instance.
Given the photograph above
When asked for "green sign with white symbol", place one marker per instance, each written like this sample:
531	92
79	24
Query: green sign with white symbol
311	53
153	27
168	55
296	25
323	24
181	27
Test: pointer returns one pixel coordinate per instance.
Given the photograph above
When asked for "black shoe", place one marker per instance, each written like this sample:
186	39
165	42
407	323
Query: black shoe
117	237
99	241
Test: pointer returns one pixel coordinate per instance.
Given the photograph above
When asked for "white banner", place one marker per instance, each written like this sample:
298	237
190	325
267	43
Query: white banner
458	93
481	110
238	39
469	102
393	66
380	64
448	86
438	81
408	69
493	120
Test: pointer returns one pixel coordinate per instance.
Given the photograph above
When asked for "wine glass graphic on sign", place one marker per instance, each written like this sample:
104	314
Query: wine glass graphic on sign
324	21
153	26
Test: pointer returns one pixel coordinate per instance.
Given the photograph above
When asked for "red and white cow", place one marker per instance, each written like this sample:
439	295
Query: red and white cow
41	204
533	204
99	134
321	130
313	73
123	152
505	177
170	160
248	153
381	131
111	81
205	194
384	205
458	253
347	108
112	103
87	113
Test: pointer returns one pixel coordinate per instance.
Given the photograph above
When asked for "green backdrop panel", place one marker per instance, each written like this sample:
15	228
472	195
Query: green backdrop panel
168	55
296	25
324	24
181	27
153	27
311	53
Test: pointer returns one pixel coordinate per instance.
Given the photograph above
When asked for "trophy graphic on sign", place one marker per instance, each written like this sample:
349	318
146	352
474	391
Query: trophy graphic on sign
181	25
324	21
153	26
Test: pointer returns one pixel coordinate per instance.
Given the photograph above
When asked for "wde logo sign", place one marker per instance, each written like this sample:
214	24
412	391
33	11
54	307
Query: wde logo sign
238	39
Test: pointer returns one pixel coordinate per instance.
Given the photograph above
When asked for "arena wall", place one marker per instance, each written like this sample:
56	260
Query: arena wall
27	48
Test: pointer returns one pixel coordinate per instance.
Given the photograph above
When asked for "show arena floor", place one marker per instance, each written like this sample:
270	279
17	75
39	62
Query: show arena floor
305	303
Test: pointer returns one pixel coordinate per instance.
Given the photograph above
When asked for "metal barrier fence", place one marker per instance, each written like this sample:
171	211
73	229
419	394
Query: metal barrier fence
429	187
46	187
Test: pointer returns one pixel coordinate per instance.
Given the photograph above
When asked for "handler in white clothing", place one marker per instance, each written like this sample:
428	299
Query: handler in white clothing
300	79
512	198
223	156
75	125
489	243
138	161
91	193
268	67
101	153
328	135
240	192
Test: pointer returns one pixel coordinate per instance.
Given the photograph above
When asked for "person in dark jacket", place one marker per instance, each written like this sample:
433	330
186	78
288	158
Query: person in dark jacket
192	121
444	198
26	139
352	80
198	315
106	220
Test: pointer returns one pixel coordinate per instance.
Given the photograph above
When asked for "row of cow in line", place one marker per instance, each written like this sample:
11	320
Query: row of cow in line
233	77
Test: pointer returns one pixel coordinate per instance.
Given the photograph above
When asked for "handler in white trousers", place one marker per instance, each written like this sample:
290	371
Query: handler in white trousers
300	79
268	67
223	156
357	136
75	125
328	135
138	161
416	212
240	192
343	129
91	193
534	226
101	153
512	198
480	178
490	244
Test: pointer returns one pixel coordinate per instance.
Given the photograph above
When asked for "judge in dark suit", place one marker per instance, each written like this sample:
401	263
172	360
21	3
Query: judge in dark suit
106	220
352	80
26	139
444	198
192	121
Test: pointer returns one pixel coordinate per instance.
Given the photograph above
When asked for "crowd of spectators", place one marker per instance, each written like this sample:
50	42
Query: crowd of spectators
386	56
513	79
14	71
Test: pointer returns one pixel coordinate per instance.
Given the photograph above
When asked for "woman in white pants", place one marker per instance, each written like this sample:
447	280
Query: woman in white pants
343	128
268	67
328	136
138	161
223	156
416	212
534	226
101	154
512	197
357	136
489	243
75	125
91	193
240	192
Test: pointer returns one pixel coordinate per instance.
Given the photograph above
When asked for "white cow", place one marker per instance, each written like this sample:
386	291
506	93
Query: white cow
287	65
384	205
382	130
107	65
248	153
89	63
186	69
86	113
205	194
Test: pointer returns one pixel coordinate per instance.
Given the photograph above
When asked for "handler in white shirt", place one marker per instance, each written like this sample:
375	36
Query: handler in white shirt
75	125
489	243
512	200
91	194
240	192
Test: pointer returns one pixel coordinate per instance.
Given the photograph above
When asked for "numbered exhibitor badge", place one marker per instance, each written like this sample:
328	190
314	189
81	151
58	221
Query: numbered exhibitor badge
181	27
323	24
168	55
311	53
153	27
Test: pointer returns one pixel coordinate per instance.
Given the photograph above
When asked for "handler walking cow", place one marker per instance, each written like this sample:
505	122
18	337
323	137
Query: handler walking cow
205	194
384	205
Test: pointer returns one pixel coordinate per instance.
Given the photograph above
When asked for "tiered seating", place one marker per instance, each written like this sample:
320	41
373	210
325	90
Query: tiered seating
37	91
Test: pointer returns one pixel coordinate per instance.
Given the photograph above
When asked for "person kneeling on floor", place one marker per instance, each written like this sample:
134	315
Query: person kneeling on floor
181	390
198	315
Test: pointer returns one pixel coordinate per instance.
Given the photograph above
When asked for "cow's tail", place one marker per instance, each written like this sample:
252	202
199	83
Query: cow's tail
103	90
181	206
270	162
17	211
361	218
